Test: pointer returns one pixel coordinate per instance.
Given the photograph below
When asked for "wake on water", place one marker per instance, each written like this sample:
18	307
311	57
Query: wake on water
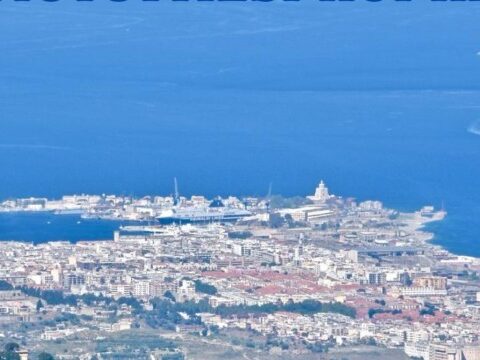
474	128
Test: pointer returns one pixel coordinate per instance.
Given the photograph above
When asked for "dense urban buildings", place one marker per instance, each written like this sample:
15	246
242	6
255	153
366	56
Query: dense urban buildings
269	277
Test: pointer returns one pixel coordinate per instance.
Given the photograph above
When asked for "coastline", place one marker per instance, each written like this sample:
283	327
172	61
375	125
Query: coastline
416	224
78	229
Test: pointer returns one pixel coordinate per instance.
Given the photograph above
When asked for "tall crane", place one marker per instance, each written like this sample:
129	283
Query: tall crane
267	199
176	195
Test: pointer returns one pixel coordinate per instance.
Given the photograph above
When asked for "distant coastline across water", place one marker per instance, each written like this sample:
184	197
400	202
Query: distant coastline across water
46	226
379	119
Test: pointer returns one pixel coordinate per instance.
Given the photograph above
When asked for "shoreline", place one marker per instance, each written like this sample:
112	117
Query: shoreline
416	224
411	222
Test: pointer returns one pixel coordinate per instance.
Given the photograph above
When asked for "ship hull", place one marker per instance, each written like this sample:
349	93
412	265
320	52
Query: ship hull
198	219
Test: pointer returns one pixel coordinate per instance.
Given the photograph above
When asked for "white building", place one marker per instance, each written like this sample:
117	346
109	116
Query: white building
141	287
418	350
321	193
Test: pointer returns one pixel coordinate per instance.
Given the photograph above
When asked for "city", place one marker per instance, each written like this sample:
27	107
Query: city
282	278
239	180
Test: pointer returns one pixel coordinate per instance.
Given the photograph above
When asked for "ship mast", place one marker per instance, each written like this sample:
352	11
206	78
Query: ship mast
176	195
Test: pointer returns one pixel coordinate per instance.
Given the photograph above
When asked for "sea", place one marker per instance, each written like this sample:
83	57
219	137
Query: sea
381	100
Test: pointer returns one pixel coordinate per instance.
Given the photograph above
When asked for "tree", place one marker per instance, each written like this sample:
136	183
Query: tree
176	356
10	352
9	355
5	285
11	346
239	234
45	356
279	202
130	301
214	329
168	294
289	220
205	288
39	305
276	221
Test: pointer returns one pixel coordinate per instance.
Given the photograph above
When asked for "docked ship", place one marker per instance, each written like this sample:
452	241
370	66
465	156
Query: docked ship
76	211
215	212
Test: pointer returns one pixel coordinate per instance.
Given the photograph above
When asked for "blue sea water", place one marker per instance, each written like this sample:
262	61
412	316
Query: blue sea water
44	227
378	99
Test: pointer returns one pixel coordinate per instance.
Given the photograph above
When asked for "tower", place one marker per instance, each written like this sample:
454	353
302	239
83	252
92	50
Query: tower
176	195
321	193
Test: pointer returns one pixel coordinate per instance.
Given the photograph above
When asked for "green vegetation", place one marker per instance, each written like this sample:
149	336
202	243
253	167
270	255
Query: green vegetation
57	297
205	288
45	356
319	347
10	352
39	305
239	235
169	295
176	356
91	299
67	317
5	285
279	202
165	314
306	307
429	309
132	346
275	221
470	275
52	297
130	301
372	312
